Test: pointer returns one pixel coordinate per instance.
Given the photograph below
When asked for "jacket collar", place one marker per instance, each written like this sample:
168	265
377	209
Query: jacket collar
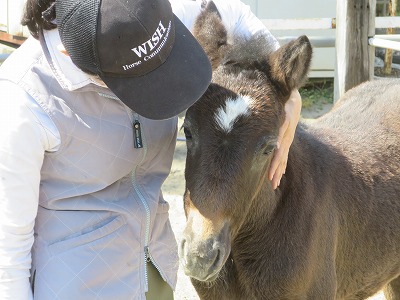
67	73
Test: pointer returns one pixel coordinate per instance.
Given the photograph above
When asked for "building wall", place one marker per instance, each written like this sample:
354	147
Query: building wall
323	63
323	58
10	17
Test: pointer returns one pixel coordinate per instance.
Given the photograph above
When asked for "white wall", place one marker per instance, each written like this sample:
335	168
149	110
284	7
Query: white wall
323	58
323	63
10	17
3	15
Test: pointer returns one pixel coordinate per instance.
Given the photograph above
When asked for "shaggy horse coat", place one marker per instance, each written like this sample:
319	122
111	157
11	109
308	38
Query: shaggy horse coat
332	228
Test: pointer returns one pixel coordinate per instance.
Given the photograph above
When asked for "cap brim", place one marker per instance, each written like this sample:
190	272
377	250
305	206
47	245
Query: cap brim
172	87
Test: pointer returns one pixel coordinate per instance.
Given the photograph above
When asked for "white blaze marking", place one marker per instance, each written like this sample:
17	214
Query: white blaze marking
234	108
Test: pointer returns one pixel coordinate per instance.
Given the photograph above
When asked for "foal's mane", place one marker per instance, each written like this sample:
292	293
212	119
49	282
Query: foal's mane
248	54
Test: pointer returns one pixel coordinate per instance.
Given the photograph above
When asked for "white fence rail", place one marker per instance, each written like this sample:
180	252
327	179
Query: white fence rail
289	24
384	43
323	23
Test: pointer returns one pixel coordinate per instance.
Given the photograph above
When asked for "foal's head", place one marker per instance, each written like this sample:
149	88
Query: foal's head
231	135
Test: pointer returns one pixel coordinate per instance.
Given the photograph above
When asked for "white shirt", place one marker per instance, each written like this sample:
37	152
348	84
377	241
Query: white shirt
27	132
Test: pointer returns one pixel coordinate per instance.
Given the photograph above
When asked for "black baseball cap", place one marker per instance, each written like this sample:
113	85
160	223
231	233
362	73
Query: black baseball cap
140	49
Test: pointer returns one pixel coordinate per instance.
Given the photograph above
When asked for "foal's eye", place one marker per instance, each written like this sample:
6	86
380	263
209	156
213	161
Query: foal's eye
269	148
188	134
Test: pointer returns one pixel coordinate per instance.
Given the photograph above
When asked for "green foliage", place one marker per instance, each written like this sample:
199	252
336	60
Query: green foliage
317	92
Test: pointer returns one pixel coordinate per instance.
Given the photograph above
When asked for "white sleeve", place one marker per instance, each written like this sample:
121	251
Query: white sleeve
240	20
186	11
23	142
237	17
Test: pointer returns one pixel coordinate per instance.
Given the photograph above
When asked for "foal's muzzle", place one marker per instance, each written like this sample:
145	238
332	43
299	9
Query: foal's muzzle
203	259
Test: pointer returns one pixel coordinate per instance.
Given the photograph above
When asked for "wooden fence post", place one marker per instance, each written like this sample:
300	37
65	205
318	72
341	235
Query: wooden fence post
387	67
371	33
355	22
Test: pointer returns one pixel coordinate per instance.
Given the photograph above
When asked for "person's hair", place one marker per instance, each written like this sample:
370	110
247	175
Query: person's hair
38	15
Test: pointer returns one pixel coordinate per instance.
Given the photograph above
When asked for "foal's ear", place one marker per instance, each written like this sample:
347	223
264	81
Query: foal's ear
211	33
290	63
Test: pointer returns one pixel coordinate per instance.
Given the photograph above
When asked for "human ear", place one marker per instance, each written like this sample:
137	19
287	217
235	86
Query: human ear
62	49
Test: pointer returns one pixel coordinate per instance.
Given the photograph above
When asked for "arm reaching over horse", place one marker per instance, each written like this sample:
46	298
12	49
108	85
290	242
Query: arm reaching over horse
285	138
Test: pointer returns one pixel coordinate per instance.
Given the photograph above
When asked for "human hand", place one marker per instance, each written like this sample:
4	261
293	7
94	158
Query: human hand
285	138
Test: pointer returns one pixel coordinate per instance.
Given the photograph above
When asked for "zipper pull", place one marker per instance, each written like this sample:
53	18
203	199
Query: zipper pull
137	139
147	254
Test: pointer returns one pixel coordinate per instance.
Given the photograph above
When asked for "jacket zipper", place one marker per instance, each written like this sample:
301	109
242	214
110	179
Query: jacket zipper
137	134
140	142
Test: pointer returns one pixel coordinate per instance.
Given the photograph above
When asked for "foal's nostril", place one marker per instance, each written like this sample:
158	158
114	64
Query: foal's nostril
183	242
218	255
183	250
216	260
